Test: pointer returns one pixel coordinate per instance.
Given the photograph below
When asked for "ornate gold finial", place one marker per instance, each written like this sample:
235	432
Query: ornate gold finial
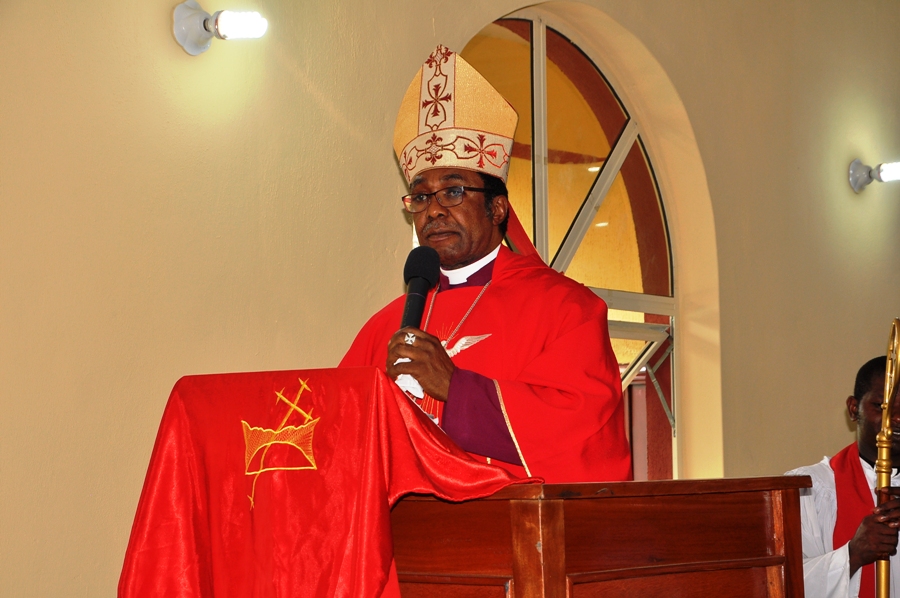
883	442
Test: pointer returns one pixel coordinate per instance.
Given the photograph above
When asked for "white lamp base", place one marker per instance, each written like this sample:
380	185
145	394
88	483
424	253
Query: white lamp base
860	175
189	28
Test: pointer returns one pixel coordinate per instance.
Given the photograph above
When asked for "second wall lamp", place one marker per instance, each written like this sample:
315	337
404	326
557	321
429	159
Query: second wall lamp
194	27
861	175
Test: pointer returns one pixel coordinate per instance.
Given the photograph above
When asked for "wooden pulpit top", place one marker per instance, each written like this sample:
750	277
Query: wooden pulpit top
662	488
725	537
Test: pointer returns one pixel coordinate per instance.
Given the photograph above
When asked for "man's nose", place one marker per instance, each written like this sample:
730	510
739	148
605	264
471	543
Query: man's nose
435	209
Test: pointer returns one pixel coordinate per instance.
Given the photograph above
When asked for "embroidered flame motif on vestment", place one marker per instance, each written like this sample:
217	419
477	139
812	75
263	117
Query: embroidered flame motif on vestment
258	441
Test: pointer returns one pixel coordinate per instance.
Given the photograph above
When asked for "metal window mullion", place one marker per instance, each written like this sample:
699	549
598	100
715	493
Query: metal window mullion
662	358
662	400
651	373
595	198
638	331
635	366
539	149
639	302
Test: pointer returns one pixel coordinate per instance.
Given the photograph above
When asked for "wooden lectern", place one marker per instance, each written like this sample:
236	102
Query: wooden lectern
736	538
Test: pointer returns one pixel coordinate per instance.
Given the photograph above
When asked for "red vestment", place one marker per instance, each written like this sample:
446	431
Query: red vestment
550	356
276	484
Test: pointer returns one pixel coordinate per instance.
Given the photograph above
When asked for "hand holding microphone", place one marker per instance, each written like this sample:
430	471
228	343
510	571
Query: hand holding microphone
421	273
417	360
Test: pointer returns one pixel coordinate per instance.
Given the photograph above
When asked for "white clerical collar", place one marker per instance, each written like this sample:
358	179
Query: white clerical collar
461	275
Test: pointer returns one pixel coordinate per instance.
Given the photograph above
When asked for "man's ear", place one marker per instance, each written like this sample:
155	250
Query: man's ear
853	408
500	204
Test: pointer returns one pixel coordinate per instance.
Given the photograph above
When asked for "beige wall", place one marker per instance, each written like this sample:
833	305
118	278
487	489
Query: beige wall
162	214
782	97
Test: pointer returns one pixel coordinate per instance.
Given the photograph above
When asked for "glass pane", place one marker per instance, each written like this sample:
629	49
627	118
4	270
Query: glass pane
626	350
584	118
501	52
608	257
649	427
649	222
626	247
625	315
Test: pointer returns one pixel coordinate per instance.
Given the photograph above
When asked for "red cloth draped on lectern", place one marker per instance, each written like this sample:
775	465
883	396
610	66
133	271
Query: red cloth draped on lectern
280	484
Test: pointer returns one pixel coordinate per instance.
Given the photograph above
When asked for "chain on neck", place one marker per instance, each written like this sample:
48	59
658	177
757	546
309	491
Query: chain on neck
458	326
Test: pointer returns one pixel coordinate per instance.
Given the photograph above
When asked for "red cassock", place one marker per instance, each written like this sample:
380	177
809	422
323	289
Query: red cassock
549	354
279	484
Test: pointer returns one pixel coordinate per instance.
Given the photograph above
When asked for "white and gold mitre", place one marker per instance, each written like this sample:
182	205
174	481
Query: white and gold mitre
451	117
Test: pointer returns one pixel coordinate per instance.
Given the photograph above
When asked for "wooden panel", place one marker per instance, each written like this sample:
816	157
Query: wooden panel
526	529
775	527
768	562
615	490
539	565
431	590
679	538
793	549
740	583
622	489
553	534
645	531
471	538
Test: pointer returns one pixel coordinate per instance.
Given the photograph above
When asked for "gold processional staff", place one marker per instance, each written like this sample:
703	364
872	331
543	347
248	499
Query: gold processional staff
883	442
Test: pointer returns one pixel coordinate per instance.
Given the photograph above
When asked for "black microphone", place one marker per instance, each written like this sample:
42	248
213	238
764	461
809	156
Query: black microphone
421	273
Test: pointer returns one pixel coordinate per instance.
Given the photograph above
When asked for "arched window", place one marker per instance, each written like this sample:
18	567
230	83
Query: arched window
583	186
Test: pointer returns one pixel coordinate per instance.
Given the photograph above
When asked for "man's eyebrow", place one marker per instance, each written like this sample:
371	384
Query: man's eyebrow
453	176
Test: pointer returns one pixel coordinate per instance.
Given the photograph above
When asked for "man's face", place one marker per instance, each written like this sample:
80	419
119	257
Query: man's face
461	234
867	412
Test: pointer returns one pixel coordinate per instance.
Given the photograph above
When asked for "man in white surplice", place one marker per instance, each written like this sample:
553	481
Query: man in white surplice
843	531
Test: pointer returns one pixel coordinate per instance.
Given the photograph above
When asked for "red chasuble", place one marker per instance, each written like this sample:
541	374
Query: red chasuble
279	484
549	353
854	503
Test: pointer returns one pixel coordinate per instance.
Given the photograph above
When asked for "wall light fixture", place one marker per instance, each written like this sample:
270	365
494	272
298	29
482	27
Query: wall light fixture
861	175
195	28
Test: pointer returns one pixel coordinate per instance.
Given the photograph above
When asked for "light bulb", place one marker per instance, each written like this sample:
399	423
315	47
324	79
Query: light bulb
861	175
889	172
194	28
230	24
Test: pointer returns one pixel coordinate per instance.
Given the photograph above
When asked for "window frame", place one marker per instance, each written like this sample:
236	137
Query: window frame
653	334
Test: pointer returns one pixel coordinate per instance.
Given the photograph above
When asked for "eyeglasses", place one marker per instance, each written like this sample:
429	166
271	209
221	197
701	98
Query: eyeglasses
447	197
